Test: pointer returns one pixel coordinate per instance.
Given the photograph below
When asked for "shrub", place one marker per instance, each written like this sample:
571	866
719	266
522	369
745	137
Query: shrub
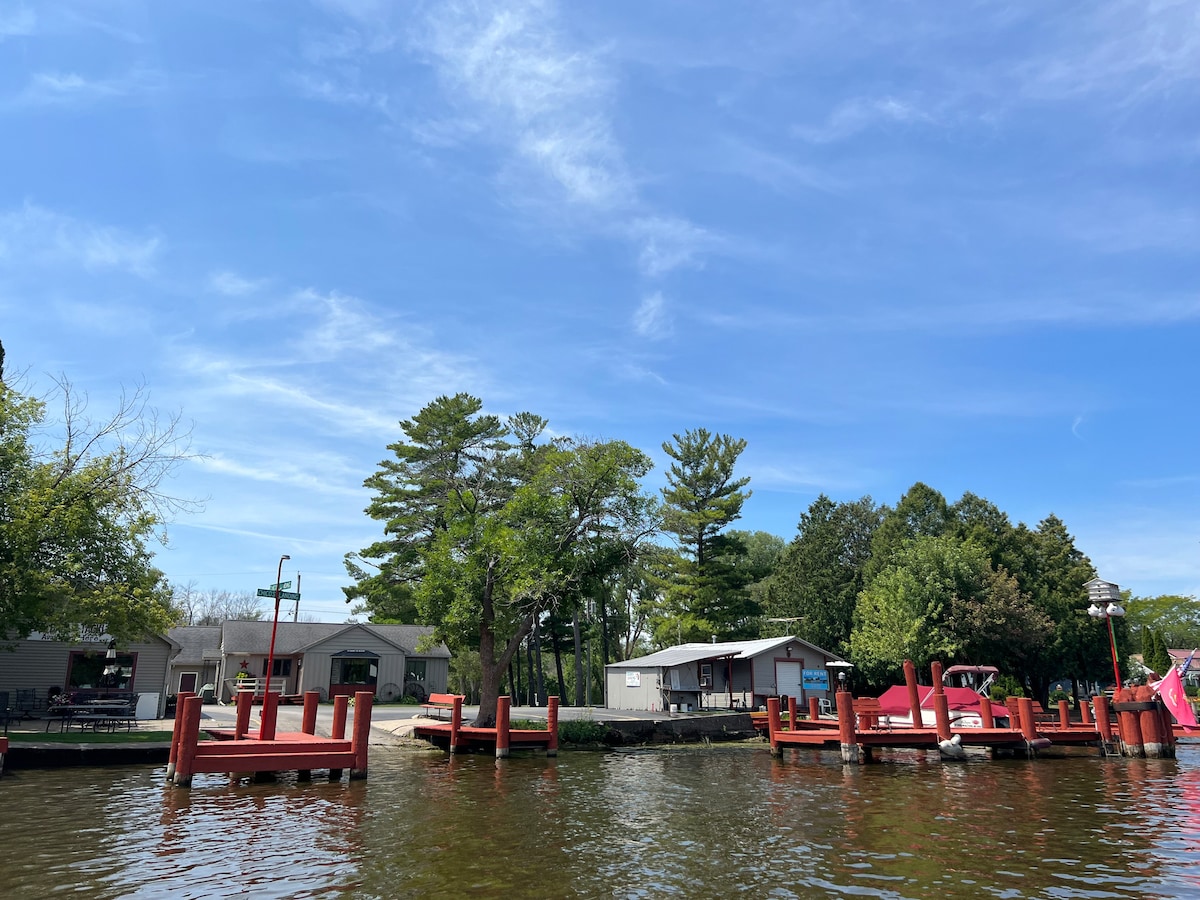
581	731
1006	686
527	724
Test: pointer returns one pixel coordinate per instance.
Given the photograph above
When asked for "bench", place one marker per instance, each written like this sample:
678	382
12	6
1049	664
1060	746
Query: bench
439	702
869	712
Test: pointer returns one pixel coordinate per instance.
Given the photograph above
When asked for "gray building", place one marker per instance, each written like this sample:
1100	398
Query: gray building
732	674
34	668
334	659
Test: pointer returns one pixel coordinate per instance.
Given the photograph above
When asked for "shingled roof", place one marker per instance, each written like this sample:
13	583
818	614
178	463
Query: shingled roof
238	636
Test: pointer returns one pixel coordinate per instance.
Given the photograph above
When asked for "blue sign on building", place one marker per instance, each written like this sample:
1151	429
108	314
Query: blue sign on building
815	680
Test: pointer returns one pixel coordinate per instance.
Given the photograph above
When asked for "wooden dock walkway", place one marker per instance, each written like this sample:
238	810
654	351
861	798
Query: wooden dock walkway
458	738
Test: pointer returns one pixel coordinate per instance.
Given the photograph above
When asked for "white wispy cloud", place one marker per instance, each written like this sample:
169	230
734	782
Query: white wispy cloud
547	102
517	82
859	114
20	22
71	88
651	319
34	235
669	243
1126	50
342	325
233	285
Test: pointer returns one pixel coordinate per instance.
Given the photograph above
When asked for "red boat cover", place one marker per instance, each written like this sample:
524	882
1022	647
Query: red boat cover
894	701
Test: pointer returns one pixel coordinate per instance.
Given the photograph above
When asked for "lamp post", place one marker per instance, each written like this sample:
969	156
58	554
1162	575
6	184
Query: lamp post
274	625
1105	597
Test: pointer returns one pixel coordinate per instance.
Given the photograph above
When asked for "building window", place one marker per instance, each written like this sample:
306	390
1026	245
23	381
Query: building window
280	668
414	670
706	675
355	671
85	671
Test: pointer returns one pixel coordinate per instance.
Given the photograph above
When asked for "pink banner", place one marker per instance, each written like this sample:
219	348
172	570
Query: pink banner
1172	693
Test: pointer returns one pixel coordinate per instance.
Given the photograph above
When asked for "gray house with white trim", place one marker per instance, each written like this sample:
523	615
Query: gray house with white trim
333	658
728	675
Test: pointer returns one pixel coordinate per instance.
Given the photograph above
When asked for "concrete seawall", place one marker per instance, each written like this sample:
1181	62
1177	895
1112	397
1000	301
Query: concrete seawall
682	729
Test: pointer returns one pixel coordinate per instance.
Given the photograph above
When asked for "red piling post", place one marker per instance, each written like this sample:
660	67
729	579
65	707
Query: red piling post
846	733
189	737
176	732
814	709
1103	719
1028	726
455	723
1130	726
1085	712
337	730
1150	721
311	699
341	709
362	733
1064	714
503	712
552	725
270	706
792	716
914	694
1168	730
245	703
774	726
986	718
941	706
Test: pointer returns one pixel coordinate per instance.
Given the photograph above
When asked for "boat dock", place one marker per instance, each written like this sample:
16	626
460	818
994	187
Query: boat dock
456	737
239	751
1143	726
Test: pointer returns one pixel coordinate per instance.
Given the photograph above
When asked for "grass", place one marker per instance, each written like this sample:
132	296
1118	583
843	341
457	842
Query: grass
89	737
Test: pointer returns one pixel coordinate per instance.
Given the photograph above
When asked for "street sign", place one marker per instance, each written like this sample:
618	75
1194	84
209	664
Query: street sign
283	585
283	595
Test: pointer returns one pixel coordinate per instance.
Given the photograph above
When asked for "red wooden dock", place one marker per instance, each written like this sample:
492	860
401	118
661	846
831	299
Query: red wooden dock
1142	726
458	738
238	751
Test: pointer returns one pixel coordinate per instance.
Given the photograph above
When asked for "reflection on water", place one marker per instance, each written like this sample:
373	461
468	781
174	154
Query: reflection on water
704	823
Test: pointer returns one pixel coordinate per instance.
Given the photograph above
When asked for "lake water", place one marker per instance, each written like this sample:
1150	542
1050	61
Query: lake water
655	823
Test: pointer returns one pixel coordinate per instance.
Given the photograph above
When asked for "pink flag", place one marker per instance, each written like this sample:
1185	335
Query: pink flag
1172	693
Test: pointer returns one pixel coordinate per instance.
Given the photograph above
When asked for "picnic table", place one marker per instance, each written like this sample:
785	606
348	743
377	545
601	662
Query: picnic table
92	713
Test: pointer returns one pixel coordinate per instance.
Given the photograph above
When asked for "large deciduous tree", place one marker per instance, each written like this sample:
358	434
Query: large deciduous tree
81	504
483	534
706	596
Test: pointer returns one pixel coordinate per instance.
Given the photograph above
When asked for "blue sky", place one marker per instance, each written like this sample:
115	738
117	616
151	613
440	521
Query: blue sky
954	243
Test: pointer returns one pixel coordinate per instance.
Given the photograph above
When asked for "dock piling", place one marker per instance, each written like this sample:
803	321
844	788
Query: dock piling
503	717
774	726
362	733
245	702
552	725
846	733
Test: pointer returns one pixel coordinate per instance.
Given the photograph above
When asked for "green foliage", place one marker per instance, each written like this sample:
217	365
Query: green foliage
483	534
817	578
77	519
1176	617
1160	659
941	599
1004	687
581	731
707	594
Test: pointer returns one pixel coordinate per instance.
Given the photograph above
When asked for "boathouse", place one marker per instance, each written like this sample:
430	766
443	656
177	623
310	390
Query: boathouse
332	658
727	675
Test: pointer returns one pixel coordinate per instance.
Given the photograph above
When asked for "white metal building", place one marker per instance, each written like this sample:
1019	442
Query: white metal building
728	675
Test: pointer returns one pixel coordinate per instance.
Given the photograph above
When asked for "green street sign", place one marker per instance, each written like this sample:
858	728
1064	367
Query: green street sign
283	595
283	585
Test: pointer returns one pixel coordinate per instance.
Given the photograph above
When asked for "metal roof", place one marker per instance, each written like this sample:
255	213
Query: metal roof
687	653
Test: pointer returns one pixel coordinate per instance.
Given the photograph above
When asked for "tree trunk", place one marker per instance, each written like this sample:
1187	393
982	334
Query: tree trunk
531	694
541	675
491	668
578	659
602	599
562	684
